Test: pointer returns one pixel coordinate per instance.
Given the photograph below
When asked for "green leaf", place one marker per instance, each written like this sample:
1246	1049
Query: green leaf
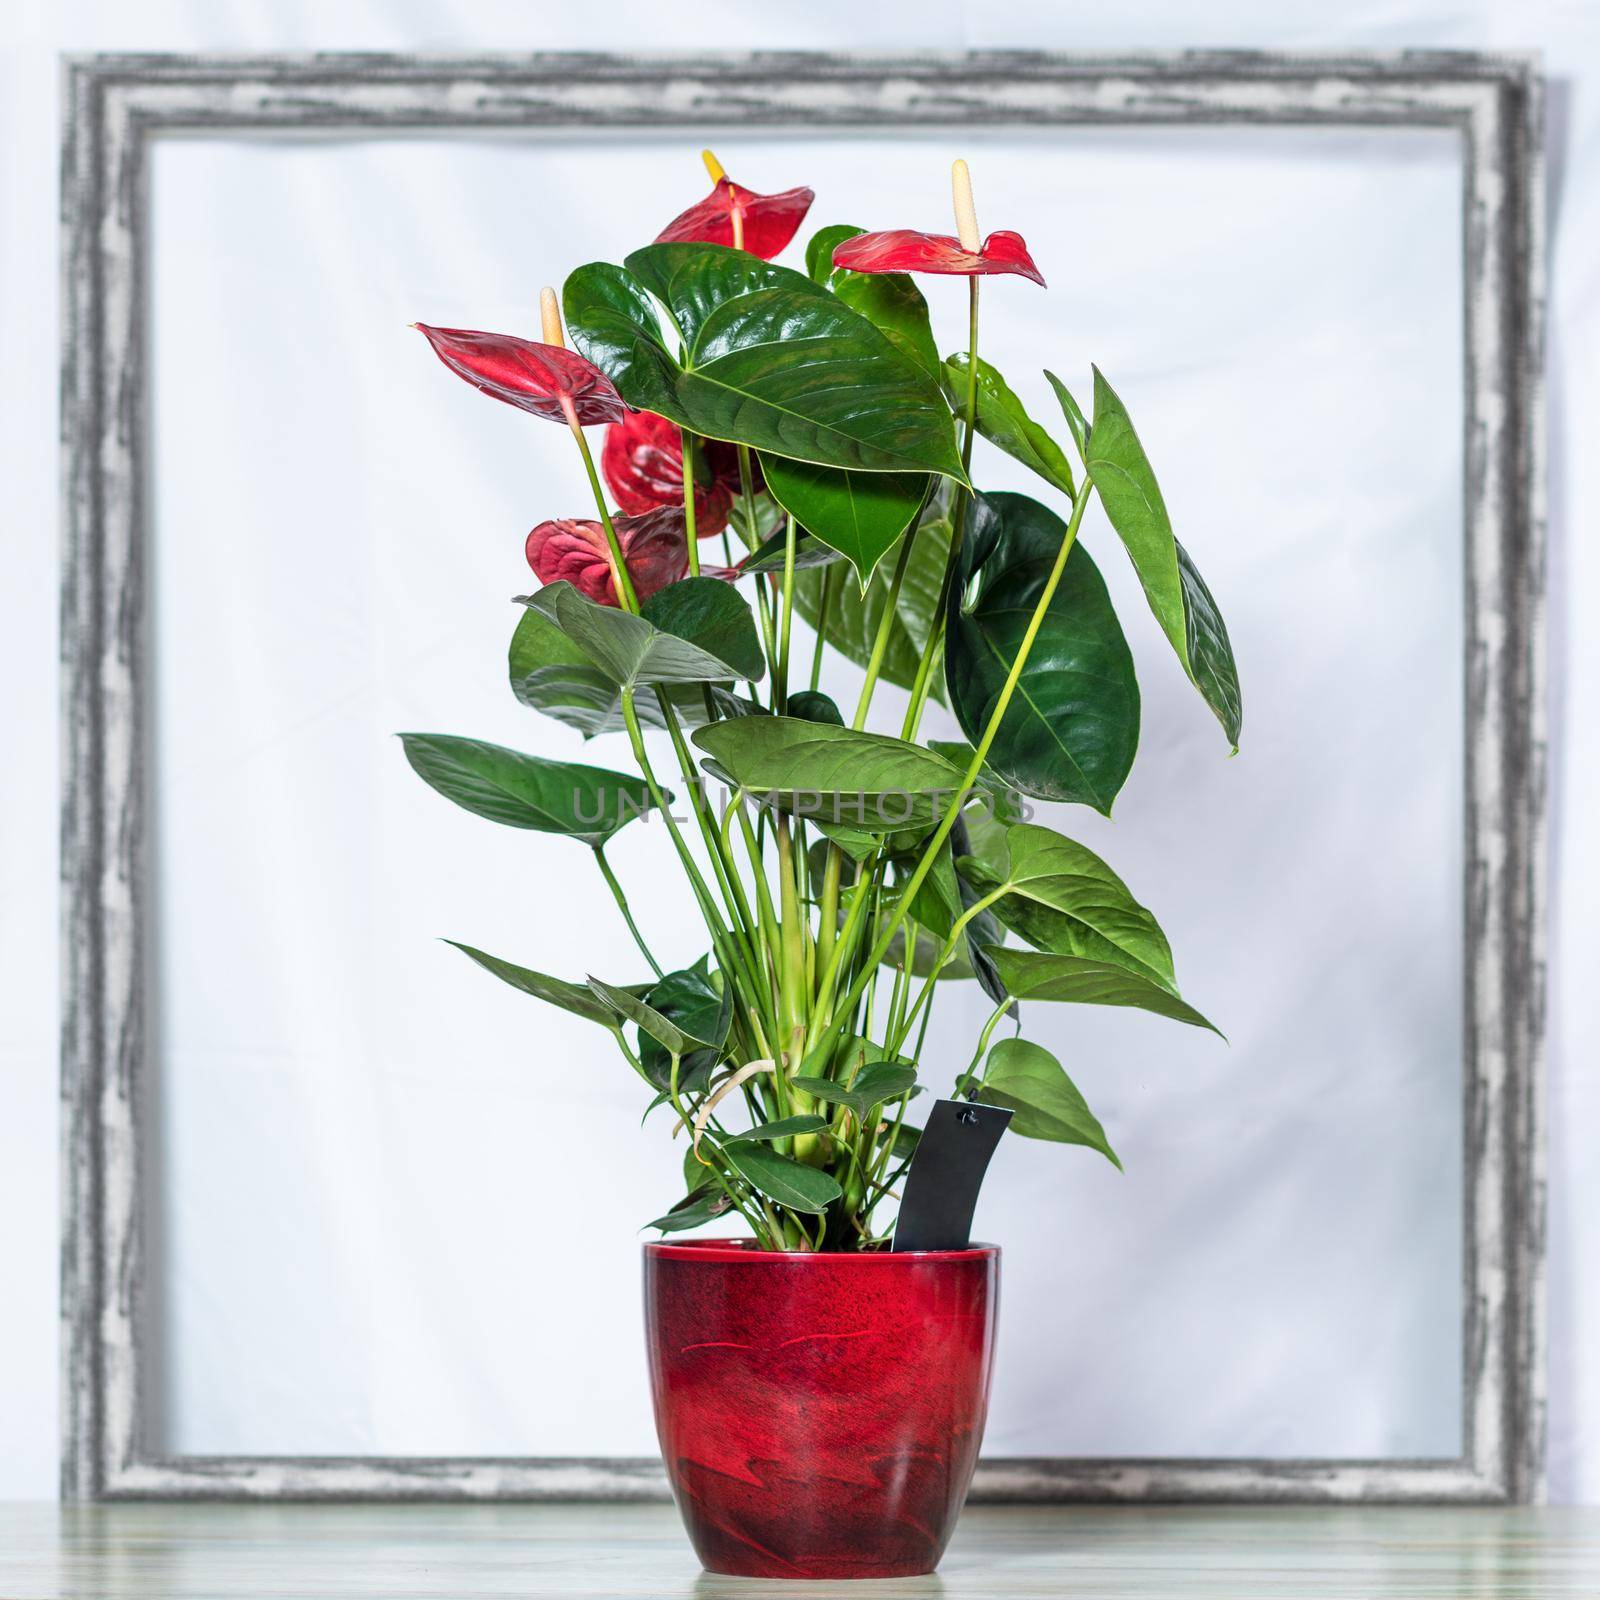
853	618
1063	898
943	898
1177	594
820	248
999	798
790	1183
864	780
549	673
1030	1081
1071	729
1037	975
808	552
702	1013
633	650
871	1086
712	616
860	514
783	1128
812	705
571	997
891	301
763	356
704	1204
522	791
627	1005
1003	421
1076	422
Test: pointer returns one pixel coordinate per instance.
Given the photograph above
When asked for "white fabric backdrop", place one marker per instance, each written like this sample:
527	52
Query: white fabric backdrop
384	463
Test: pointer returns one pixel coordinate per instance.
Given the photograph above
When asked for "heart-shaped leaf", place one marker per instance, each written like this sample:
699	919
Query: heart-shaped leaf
571	997
522	791
790	1183
634	650
1027	1079
852	619
783	1128
549	673
1061	897
1072	727
1176	592
860	514
1004	421
713	617
1038	975
762	356
872	1086
813	769
996	797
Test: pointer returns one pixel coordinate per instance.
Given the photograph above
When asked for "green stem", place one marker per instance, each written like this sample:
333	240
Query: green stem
630	601
925	994
780	679
930	853
823	607
880	640
622	906
685	445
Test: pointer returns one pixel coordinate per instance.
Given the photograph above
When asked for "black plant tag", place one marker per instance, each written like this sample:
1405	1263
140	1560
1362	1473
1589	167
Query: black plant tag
941	1184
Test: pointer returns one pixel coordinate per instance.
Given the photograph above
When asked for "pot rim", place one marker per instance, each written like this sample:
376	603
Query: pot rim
729	1250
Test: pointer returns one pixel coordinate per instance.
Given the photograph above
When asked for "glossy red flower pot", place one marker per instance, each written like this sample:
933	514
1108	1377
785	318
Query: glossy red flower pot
820	1415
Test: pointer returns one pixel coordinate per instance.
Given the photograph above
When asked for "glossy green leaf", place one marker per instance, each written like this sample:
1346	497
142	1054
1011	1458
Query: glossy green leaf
944	897
874	1084
1004	421
1038	975
783	1128
1063	898
1027	1079
1177	594
860	514
820	248
812	705
522	791
1071	729
790	1183
853	618
702	1013
714	617
761	356
634	650
836	774
549	673
571	997
1077	423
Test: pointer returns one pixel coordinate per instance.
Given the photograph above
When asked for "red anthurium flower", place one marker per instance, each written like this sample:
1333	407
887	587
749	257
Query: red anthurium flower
654	546
546	379
760	223
643	463
906	250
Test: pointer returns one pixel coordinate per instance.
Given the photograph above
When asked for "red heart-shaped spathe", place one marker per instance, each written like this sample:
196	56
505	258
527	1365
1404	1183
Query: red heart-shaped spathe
654	549
544	379
907	250
767	222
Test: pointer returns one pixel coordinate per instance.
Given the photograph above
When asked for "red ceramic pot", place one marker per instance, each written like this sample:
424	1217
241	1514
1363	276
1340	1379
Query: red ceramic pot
820	1415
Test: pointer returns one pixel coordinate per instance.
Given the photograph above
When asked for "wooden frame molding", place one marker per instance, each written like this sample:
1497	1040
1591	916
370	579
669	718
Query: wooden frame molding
115	105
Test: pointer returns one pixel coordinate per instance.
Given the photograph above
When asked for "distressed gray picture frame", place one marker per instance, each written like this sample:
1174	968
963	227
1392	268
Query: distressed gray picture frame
115	105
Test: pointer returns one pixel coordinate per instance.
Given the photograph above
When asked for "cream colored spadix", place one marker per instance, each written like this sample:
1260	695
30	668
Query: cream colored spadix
966	212
550	317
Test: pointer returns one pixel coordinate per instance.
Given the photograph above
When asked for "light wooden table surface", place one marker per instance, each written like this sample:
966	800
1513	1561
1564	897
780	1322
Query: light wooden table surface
634	1552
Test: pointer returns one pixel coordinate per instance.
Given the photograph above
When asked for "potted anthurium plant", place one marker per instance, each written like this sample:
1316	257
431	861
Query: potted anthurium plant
789	444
